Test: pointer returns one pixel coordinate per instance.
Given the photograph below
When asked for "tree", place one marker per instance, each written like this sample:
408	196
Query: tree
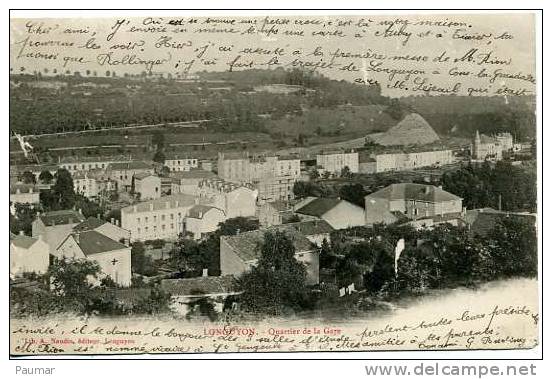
159	157
236	225
158	140
278	282
88	207
140	263
513	247
62	194
28	177
382	272
23	219
346	172
73	281
353	193
46	177
186	257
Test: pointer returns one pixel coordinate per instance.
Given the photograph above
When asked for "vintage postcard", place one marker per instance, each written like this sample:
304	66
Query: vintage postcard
276	183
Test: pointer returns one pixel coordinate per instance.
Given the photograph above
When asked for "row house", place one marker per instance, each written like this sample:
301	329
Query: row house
178	164
413	160
335	162
79	164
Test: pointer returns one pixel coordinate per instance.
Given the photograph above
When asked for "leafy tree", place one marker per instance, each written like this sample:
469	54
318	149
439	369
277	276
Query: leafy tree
140	263
347	271
28	177
346	172
159	157
88	207
354	193
383	271
158	140
72	280
46	177
278	282
62	194
23	219
186	257
236	225
513	247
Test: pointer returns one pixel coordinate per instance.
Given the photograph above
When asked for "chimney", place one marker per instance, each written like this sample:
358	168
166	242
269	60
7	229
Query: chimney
17	190
135	208
98	216
118	223
76	237
167	204
427	190
205	272
151	206
112	220
80	210
21	233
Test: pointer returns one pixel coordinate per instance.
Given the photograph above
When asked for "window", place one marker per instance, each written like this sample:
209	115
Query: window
163	227
138	230
162	217
172	216
146	219
172	226
154	218
138	220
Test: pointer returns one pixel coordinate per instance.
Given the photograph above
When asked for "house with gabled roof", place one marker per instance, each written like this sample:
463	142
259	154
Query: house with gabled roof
414	201
109	229
28	254
113	257
340	214
203	219
55	226
240	253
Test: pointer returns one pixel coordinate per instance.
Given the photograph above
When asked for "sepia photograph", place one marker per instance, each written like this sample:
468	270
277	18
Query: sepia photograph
338	182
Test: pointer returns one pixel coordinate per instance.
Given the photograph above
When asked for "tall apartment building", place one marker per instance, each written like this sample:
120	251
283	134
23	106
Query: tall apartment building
273	176
161	218
85	185
335	162
243	169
